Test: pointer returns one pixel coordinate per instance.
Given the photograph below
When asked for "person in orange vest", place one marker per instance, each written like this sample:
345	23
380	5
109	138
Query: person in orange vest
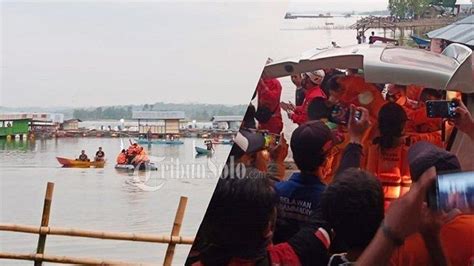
452	231
418	121
133	151
122	157
386	156
141	157
310	82
353	89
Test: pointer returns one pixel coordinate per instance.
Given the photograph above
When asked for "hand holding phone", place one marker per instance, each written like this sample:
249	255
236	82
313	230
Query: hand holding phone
441	109
288	107
358	123
452	191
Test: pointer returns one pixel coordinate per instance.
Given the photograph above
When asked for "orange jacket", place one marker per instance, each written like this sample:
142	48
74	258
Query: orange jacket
457	238
391	165
122	158
361	93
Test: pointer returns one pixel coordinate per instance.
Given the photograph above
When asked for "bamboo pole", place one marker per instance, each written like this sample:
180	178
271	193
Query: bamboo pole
62	259
97	234
44	221
178	220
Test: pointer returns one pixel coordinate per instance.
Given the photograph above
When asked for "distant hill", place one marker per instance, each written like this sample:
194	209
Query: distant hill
197	111
375	13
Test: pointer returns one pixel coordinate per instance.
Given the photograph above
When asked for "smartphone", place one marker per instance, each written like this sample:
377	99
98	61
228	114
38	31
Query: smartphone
271	139
340	114
452	191
441	109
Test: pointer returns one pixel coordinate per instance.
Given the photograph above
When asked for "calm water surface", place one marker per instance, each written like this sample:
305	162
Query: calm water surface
101	199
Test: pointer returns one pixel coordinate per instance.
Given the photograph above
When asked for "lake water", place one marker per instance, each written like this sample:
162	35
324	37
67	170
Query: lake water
102	199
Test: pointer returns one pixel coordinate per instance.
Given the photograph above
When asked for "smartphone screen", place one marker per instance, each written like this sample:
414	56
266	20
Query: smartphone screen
454	191
441	109
340	115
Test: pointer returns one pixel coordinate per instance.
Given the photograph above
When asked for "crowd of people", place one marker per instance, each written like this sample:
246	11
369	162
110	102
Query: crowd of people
366	155
134	155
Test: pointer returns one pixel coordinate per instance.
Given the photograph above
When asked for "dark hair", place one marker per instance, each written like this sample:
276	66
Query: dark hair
391	122
437	94
235	221
307	142
317	109
354	205
332	84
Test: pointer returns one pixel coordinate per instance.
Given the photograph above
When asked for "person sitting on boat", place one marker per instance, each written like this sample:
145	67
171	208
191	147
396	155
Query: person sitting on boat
372	38
133	151
141	157
83	156
100	155
122	157
209	145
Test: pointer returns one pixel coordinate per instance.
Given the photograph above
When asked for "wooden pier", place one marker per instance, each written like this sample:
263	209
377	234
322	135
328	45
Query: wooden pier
44	230
393	25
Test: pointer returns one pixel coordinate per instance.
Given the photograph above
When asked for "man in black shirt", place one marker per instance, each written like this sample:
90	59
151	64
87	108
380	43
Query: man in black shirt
83	156
99	155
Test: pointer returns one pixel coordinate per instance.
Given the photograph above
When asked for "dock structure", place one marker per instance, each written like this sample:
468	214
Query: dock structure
227	122
160	123
22	124
14	127
392	24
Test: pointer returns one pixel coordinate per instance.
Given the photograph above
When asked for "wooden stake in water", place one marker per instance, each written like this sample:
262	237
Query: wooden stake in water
44	221
178	220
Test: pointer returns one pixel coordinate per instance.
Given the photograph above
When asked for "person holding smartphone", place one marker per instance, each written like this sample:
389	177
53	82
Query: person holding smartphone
463	119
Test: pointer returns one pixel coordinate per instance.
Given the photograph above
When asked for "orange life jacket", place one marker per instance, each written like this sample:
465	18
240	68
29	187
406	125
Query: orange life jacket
391	167
361	93
122	158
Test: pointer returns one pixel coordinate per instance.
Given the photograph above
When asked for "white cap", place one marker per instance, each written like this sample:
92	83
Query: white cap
315	74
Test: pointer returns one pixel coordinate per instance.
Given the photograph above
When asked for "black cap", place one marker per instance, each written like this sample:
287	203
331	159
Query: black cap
310	138
249	141
423	155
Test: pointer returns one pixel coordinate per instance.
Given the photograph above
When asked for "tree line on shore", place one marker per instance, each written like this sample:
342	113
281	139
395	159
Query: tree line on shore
202	112
403	9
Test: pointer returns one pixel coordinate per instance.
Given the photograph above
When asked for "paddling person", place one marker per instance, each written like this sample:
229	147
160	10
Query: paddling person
83	156
209	145
99	155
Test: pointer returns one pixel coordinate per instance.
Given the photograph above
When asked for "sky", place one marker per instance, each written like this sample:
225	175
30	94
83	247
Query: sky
96	53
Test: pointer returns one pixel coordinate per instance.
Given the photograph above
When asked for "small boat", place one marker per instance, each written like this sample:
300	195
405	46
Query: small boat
141	167
329	23
80	164
203	151
420	41
223	141
383	39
